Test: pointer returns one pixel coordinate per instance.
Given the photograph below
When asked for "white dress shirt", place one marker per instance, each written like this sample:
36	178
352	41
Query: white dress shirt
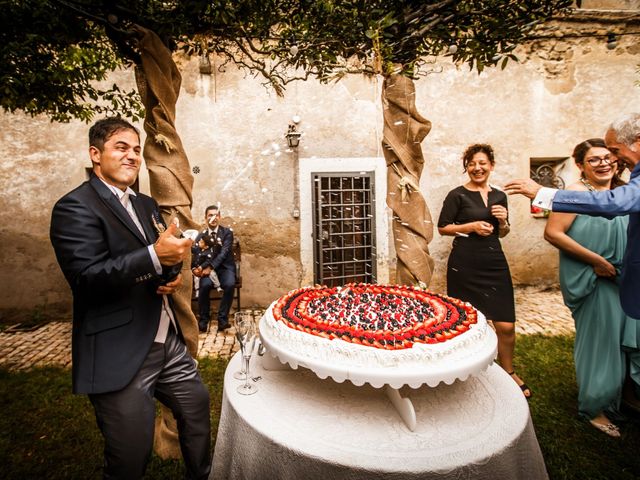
544	198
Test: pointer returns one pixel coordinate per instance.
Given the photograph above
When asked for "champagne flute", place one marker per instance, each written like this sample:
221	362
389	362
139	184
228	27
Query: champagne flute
257	315
250	343
240	325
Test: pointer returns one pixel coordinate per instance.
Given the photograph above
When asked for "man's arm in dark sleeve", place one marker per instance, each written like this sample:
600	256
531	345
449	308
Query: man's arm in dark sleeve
79	242
607	203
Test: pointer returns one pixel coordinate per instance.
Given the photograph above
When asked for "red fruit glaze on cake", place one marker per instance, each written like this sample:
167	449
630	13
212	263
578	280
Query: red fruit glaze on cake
390	317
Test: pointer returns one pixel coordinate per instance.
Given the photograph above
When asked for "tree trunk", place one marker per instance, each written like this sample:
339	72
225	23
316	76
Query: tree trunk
404	130
171	184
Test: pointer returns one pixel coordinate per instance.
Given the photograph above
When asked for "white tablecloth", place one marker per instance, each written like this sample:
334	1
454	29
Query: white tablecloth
298	426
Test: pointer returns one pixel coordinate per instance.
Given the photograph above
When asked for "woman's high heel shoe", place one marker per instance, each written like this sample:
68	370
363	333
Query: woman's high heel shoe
526	391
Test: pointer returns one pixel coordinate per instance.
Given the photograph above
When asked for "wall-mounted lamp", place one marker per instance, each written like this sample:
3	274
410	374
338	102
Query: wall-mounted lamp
205	64
293	136
612	41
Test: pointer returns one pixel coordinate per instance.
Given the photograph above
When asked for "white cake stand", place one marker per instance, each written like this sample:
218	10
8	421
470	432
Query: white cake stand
393	378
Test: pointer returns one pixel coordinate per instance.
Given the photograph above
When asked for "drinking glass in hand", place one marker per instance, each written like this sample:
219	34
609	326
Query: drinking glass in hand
249	341
241	322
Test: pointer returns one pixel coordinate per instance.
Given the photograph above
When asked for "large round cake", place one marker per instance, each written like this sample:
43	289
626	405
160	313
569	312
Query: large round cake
380	334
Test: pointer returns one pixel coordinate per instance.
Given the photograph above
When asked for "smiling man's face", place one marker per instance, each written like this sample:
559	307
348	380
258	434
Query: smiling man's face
118	163
629	154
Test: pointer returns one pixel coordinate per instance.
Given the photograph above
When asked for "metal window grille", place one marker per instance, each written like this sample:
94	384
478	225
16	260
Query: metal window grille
344	236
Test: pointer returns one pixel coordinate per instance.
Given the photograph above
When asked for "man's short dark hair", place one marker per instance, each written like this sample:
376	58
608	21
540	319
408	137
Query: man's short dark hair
101	131
211	207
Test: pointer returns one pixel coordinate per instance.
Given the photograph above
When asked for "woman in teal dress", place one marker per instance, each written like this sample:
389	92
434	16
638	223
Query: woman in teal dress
591	251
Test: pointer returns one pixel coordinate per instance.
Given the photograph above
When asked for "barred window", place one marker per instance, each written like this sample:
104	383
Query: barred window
344	228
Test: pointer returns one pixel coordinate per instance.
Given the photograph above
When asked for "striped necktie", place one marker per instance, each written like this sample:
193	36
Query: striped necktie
126	203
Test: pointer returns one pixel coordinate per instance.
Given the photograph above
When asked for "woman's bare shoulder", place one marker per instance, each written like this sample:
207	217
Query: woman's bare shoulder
577	186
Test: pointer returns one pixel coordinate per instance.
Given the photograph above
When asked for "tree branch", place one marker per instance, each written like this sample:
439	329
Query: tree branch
427	9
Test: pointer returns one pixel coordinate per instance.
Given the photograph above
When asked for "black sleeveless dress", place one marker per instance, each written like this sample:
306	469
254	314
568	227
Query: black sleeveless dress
477	271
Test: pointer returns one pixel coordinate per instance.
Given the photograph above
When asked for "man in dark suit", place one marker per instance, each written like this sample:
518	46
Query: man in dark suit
623	140
122	264
223	263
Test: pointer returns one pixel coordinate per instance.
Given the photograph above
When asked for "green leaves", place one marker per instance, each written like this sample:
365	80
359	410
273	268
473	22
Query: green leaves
50	61
357	36
53	54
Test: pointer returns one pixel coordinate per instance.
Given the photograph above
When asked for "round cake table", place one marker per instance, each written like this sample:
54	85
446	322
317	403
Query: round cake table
298	426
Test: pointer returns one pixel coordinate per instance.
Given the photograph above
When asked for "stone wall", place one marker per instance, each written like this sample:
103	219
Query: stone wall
611	4
563	91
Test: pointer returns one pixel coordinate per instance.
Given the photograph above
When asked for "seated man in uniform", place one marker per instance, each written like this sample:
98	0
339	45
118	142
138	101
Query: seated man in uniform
223	263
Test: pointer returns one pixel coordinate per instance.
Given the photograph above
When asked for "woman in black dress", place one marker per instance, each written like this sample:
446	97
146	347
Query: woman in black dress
477	272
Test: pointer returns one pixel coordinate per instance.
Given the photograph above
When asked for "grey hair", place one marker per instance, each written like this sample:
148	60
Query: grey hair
627	128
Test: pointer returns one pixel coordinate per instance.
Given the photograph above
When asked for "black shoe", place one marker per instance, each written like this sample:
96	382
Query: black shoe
202	328
222	327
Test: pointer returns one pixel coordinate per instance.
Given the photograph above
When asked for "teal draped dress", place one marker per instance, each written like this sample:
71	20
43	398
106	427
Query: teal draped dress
605	337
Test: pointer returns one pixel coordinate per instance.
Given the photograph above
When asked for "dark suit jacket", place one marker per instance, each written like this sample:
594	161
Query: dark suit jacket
221	252
199	257
105	259
619	201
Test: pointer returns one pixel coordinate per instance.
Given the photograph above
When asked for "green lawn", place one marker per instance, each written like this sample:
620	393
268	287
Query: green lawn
571	447
46	432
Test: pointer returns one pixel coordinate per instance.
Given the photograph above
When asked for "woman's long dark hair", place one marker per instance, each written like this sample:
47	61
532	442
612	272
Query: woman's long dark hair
580	151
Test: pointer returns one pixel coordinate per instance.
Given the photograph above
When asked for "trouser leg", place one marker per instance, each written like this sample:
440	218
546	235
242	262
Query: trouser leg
126	420
228	283
204	306
180	388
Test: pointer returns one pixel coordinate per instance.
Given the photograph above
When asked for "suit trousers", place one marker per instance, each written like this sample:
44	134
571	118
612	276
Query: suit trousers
126	417
227	283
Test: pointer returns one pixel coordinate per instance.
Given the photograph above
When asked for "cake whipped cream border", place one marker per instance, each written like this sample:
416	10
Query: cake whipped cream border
338	351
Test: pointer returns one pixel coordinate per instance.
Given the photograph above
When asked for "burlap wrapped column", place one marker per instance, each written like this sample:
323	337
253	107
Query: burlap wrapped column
404	130
171	183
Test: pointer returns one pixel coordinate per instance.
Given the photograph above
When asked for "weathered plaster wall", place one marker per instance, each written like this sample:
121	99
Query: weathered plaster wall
234	132
611	4
525	111
233	128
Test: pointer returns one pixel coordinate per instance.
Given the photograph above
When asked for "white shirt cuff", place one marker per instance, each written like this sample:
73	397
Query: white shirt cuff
154	258
544	198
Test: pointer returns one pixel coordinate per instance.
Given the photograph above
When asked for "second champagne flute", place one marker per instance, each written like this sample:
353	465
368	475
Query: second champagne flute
241	326
250	343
